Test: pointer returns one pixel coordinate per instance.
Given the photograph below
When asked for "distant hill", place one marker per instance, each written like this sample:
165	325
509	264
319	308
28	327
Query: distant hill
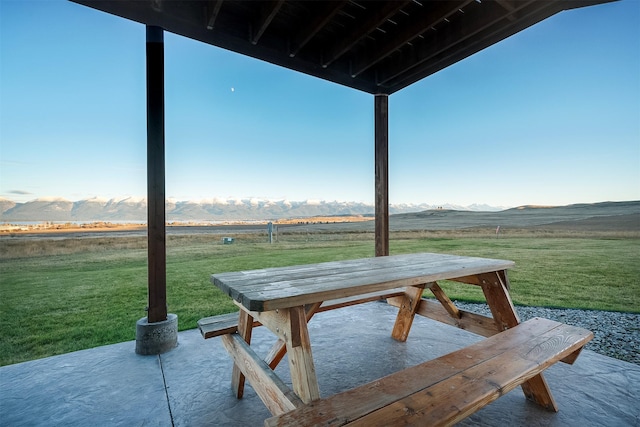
135	209
523	216
605	216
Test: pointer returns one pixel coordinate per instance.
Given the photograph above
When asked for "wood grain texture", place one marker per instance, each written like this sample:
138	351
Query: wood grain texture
499	301
496	290
303	371
269	289
272	391
245	328
222	324
408	306
290	326
444	300
445	390
472	322
279	348
214	326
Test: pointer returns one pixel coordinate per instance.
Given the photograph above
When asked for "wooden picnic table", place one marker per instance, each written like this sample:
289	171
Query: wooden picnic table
284	299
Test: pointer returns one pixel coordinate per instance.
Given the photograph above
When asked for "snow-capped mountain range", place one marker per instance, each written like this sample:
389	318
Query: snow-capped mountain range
231	209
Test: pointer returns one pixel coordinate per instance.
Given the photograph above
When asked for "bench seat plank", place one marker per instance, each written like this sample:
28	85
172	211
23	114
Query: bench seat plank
219	325
447	389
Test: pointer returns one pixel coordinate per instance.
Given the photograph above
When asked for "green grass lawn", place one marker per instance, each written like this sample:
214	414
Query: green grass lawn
57	297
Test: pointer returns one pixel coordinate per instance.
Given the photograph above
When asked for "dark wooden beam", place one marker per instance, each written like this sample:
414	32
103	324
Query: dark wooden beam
156	232
508	6
381	114
440	50
213	15
235	23
376	18
417	27
268	11
321	17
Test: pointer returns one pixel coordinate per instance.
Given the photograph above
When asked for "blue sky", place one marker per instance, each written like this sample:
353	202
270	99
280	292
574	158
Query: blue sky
550	116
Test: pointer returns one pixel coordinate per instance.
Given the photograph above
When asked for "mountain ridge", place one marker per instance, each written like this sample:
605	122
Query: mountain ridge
217	209
214	209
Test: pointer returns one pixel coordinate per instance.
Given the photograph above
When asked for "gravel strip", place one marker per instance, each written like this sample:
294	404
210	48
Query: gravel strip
616	334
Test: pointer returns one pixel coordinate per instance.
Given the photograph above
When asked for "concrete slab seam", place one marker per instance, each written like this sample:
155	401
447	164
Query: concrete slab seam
166	392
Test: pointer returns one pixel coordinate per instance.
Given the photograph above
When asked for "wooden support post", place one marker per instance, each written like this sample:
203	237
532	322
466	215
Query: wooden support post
382	173
156	234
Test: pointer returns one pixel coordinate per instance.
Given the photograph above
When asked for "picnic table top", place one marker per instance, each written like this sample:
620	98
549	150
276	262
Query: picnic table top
283	287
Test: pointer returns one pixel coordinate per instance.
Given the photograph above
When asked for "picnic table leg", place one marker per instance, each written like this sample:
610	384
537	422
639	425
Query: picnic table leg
245	326
290	325
495	287
406	312
303	371
279	349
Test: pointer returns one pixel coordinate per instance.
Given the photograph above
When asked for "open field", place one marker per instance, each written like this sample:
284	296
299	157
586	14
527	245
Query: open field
63	293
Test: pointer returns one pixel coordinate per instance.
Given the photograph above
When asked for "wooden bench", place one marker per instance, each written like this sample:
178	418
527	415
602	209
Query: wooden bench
446	390
228	323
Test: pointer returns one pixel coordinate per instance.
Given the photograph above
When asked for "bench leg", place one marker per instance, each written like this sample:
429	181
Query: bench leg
407	311
245	326
495	287
537	390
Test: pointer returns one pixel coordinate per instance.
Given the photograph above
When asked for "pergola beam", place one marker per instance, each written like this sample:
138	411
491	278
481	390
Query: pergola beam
467	27
377	18
215	10
406	34
431	62
268	11
322	17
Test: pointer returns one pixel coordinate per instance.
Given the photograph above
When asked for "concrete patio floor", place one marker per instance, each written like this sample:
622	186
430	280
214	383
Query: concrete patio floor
189	386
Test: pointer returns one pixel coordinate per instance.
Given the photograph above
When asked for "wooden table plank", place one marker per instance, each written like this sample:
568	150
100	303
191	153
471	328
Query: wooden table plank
325	281
303	270
258	278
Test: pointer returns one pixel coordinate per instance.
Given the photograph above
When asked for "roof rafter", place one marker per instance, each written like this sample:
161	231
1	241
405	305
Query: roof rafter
215	10
508	6
373	20
375	46
439	12
322	17
467	25
484	37
268	11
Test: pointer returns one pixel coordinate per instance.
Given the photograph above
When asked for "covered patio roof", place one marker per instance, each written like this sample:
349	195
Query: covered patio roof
379	47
